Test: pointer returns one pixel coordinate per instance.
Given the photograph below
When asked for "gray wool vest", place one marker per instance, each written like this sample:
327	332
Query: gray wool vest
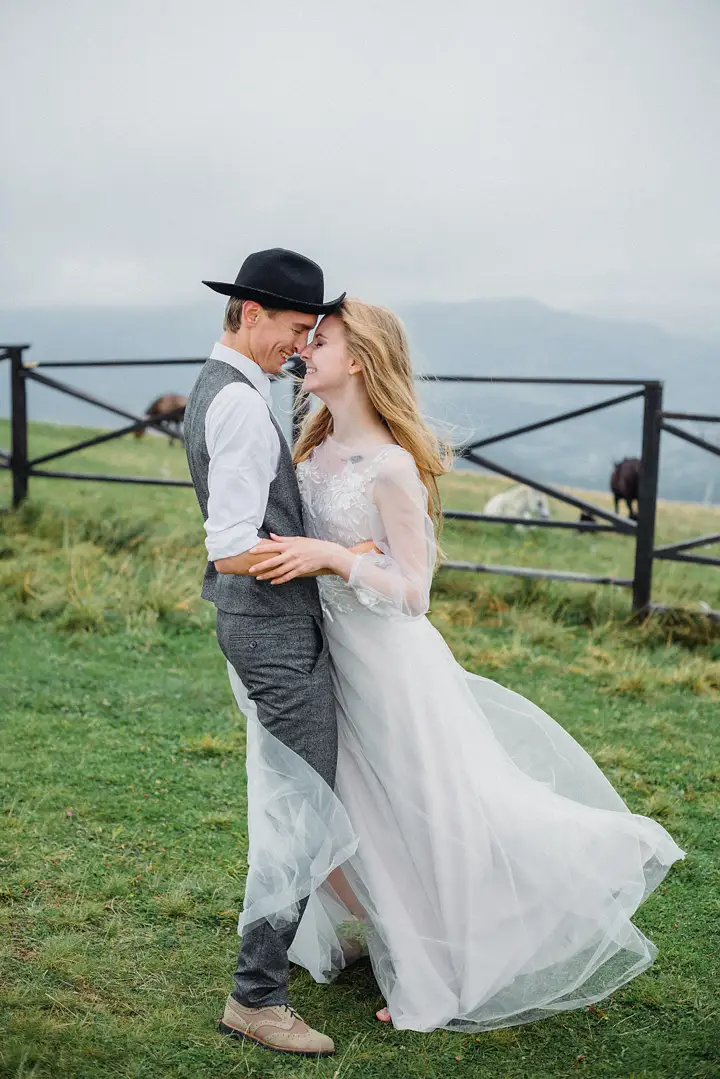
228	591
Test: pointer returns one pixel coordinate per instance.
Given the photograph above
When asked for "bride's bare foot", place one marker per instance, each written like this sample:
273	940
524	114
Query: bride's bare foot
383	1015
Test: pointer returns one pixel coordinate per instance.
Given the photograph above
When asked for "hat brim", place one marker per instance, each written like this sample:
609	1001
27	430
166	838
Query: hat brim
272	299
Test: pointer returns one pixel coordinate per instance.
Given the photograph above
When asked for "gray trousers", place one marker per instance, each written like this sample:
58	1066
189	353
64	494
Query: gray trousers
284	664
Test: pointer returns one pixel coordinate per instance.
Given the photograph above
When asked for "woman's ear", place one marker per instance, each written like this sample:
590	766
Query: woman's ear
354	368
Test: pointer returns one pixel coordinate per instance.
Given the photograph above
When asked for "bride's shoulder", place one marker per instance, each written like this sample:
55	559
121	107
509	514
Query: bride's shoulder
390	451
387	451
394	462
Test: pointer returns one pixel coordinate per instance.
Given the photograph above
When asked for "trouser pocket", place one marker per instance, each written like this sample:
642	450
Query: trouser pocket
296	645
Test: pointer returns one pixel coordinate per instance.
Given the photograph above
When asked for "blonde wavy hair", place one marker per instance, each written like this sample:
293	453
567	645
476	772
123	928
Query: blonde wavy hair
376	340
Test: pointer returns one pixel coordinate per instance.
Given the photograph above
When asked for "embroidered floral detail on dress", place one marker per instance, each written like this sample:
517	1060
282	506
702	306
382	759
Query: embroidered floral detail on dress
338	507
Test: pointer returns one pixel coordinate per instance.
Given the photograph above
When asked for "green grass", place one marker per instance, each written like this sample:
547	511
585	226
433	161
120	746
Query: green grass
123	842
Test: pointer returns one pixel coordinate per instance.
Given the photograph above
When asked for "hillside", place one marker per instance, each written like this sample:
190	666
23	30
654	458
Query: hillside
124	788
491	338
173	513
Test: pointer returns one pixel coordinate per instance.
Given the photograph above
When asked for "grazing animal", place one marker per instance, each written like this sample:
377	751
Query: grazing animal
625	484
519	502
161	406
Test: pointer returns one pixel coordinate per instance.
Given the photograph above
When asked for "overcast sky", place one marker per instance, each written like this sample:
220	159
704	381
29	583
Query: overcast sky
566	150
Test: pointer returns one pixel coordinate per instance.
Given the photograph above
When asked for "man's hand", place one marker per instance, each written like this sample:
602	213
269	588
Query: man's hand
365	547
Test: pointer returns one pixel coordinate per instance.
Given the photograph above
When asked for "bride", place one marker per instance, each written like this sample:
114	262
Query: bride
471	847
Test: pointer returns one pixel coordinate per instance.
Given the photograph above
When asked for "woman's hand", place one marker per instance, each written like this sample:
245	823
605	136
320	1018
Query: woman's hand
300	556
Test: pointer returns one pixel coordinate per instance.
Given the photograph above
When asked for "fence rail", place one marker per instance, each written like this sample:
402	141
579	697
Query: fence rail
654	422
677	552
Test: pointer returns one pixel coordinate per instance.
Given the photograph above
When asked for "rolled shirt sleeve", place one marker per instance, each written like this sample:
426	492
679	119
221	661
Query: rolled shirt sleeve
244	450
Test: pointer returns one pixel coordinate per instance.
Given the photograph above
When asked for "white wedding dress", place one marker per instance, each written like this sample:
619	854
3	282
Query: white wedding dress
493	869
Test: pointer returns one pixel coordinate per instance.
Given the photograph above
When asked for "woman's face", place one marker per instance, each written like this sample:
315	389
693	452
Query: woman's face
328	366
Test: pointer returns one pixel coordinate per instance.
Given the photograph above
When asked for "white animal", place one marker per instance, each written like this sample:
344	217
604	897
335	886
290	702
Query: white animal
519	502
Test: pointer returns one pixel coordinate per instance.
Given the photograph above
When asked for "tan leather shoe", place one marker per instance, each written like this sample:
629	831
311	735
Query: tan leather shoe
279	1028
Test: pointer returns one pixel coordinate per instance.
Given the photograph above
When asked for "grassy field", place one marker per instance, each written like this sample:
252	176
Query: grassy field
123	840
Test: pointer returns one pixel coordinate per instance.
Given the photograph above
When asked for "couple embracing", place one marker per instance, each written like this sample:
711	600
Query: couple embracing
399	807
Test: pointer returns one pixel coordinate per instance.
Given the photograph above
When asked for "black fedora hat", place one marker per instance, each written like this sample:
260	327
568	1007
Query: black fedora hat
280	278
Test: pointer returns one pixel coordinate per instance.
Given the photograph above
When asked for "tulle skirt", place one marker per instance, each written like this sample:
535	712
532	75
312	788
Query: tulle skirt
471	847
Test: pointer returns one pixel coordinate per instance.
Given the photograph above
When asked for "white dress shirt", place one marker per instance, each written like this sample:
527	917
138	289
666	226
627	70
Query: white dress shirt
244	449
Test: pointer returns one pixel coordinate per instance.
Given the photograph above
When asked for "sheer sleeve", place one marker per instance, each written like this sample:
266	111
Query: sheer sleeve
397	581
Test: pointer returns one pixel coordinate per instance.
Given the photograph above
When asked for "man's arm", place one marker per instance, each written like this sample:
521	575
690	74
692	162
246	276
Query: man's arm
241	564
243	446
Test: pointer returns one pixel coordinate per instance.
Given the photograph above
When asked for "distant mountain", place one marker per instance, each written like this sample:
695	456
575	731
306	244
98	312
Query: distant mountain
525	338
486	337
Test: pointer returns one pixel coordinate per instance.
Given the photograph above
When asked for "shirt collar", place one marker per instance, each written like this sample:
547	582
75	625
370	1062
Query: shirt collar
246	367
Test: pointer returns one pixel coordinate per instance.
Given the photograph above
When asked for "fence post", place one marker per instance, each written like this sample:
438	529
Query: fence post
19	448
647	497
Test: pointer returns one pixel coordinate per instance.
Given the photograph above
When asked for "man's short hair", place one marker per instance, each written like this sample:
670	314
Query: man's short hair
233	314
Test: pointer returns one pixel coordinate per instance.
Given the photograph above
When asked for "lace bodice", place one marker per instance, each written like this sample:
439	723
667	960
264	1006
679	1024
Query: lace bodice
371	493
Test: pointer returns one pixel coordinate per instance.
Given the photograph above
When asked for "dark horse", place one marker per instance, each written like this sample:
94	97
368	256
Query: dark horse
171	405
625	484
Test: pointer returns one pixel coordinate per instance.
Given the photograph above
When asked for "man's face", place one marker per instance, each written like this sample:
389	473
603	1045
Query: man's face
276	336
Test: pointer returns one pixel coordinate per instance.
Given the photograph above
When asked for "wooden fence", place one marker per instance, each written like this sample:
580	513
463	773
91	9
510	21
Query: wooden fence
654	423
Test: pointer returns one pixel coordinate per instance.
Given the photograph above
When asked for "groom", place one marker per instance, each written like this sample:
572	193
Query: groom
242	471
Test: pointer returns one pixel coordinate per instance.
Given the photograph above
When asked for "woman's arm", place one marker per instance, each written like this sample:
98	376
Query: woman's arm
396	580
393	577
